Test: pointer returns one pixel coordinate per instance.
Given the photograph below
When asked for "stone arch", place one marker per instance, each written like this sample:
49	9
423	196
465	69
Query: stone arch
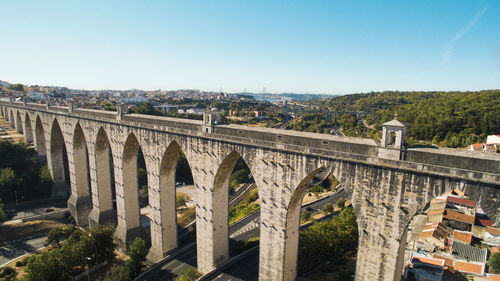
104	211
58	159
11	119
19	123
292	226
40	144
220	199
131	188
167	201
28	131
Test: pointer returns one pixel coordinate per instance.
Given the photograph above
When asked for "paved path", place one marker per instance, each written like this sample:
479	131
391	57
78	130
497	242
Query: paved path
12	250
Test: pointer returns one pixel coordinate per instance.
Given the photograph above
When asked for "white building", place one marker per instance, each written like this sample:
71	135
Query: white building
135	100
195	111
493	139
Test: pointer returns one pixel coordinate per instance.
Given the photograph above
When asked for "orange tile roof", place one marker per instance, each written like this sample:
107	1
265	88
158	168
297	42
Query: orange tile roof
462	236
435	212
462	201
432	261
477	146
469	267
452	215
447	261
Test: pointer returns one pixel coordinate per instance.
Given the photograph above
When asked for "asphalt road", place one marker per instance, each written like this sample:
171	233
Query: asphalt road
20	212
12	250
247	268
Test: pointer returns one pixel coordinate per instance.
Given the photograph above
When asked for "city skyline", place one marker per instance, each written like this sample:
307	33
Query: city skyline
324	48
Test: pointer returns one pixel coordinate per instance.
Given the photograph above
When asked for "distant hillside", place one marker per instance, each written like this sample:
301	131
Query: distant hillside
454	119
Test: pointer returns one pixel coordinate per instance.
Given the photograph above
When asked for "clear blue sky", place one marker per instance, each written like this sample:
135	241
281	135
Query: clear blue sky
331	47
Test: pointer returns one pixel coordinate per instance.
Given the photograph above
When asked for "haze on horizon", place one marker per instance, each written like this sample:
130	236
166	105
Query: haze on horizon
302	47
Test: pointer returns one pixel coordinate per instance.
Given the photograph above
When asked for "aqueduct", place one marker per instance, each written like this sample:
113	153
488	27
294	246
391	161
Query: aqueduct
387	184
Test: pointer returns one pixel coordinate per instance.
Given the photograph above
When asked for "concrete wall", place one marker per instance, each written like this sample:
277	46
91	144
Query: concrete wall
386	192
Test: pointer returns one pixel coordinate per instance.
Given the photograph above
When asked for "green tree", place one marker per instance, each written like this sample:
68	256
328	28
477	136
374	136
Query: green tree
17	87
326	238
328	208
47	266
180	200
58	234
188	274
104	244
117	273
306	215
340	203
239	176
8	183
183	171
2	212
137	254
147	108
494	262
46	180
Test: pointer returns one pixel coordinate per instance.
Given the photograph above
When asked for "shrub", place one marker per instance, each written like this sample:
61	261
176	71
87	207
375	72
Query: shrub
494	262
181	199
328	208
59	234
188	274
317	189
306	215
7	273
340	203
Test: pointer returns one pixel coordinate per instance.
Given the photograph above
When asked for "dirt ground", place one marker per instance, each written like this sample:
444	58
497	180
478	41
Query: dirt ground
311	198
12	134
15	231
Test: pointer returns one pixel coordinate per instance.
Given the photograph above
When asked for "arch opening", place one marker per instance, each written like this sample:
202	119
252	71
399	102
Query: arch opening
392	138
320	226
28	131
133	161
19	123
11	119
237	226
40	145
59	162
177	202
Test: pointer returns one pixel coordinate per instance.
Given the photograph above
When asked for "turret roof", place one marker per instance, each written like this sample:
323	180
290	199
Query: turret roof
394	123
